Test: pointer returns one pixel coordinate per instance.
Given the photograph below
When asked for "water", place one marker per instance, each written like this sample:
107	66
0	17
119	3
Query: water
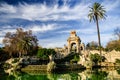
96	74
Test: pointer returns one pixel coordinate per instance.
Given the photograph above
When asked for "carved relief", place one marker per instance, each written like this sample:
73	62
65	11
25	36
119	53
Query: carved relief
73	39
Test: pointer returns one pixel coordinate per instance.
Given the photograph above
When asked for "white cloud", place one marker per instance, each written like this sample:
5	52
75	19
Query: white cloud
5	29
88	31
34	28
84	31
109	25
111	5
42	28
9	30
53	42
42	12
61	40
5	8
104	38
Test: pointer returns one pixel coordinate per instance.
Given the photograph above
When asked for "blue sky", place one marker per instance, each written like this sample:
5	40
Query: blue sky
52	20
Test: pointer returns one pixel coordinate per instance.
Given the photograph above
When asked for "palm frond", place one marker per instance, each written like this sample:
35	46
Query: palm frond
96	10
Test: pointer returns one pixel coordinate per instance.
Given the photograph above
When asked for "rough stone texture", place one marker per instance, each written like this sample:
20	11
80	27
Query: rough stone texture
110	56
35	67
73	45
80	48
73	39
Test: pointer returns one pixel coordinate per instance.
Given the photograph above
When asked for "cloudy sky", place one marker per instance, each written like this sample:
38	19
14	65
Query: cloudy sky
52	20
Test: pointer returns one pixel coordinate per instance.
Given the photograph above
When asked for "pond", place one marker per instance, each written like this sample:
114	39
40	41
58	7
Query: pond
110	73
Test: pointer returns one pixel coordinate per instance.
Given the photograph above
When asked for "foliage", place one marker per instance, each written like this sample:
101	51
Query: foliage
113	45
75	59
20	42
96	13
7	66
15	60
99	75
68	58
117	61
44	53
118	71
95	58
75	76
92	45
88	64
3	55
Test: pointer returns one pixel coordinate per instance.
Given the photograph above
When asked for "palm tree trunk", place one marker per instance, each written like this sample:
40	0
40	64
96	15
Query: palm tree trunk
98	35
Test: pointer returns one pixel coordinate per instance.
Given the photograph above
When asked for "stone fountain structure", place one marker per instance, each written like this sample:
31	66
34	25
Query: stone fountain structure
74	45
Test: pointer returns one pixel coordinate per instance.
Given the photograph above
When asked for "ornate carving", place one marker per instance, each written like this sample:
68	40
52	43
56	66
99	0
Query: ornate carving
73	39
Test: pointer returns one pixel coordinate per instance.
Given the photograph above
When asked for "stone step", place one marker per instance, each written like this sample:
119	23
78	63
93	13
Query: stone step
35	67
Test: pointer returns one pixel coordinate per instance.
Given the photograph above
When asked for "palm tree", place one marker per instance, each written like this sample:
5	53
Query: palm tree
97	12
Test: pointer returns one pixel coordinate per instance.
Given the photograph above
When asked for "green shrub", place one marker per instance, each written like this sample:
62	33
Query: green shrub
75	59
117	61
113	45
72	57
44	53
15	60
7	66
118	71
95	58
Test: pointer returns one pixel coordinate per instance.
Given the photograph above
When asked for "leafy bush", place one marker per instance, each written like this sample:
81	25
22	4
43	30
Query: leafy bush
95	58
113	45
3	55
15	60
44	53
99	75
117	61
7	66
72	57
75	59
118	71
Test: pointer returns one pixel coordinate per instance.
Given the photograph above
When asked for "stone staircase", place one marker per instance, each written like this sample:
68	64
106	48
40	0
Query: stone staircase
35	67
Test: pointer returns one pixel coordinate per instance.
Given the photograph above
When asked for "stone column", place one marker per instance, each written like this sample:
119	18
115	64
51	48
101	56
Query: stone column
78	47
69	46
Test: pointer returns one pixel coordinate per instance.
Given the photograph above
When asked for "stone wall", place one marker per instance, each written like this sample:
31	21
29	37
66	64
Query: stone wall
110	56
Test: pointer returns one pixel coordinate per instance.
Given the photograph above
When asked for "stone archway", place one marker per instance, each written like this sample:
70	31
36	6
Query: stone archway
73	47
73	39
82	47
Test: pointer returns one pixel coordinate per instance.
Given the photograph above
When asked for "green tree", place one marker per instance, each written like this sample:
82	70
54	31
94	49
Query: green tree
44	53
97	12
113	45
92	45
117	61
98	75
75	59
3	55
95	58
21	42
